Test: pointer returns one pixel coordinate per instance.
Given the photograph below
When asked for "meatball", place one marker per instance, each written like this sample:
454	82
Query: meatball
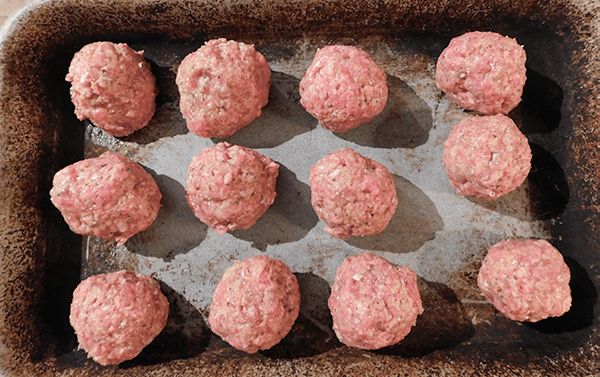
486	157
113	87
526	280
255	304
110	197
230	187
352	194
483	71
343	88
116	315
223	86
374	304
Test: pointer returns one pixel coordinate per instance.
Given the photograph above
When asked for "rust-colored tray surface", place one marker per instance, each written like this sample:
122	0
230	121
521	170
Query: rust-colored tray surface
440	235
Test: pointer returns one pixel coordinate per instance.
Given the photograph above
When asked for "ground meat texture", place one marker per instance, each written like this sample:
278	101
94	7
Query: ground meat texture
343	88
526	280
116	315
223	87
486	157
374	304
483	71
255	304
352	194
230	187
110	197
112	86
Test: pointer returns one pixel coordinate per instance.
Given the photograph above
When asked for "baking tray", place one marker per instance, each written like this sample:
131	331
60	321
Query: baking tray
440	235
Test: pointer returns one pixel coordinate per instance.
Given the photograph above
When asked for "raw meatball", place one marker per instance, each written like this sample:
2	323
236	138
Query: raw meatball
116	315
374	304
343	88
223	87
486	157
113	87
110	197
526	280
230	187
255	304
483	71
354	195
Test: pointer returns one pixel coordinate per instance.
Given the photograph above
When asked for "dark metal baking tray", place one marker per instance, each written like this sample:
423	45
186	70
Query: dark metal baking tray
439	234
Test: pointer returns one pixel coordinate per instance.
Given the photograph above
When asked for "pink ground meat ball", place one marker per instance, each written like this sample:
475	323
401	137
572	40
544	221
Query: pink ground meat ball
526	280
486	157
343	88
116	315
255	304
352	194
230	187
223	86
374	304
110	197
113	87
483	71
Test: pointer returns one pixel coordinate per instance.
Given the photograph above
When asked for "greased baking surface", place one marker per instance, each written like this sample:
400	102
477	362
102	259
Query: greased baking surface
434	231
